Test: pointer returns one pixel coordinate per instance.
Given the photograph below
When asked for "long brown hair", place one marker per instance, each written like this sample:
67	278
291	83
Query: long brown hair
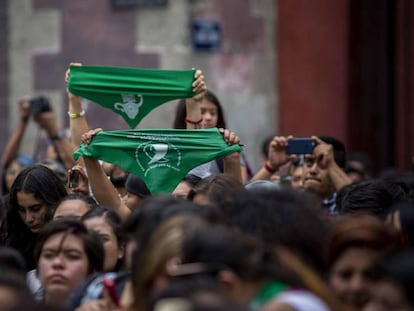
180	112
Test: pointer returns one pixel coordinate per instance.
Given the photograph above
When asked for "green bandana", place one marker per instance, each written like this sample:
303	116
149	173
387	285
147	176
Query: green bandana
161	157
269	291
131	93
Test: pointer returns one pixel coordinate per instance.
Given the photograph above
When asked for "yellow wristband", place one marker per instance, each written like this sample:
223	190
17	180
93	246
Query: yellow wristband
76	115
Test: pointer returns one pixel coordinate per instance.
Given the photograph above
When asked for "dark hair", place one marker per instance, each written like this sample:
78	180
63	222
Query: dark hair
136	185
57	167
349	169
217	188
362	158
338	149
192	179
219	248
154	210
284	217
3	217
149	214
211	97
362	231
118	181
13	279
297	162
16	282
399	269
23	160
43	183
180	112
406	181
45	186
90	201
371	196
11	259
195	294
406	215
264	149
91	241
111	217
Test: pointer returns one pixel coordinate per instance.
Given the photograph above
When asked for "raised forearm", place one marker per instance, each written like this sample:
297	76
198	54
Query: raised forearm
13	145
102	188
193	115
232	166
338	177
265	173
77	120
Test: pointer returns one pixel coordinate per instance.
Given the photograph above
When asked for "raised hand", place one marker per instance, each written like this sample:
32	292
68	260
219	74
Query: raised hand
277	155
88	136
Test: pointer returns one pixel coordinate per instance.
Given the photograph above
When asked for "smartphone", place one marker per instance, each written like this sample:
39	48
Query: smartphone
300	145
74	178
110	287
38	105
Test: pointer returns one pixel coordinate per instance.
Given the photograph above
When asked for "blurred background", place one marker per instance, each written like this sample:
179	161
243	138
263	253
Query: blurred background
291	67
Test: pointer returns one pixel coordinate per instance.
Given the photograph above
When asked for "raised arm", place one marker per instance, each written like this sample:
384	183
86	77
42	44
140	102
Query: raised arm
104	191
324	156
193	111
77	120
102	188
231	162
276	158
15	140
48	122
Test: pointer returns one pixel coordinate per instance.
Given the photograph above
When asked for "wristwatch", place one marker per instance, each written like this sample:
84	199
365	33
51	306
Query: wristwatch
58	136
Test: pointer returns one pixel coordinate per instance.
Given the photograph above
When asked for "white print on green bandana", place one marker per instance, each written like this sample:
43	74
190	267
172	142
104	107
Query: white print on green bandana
129	106
153	137
152	155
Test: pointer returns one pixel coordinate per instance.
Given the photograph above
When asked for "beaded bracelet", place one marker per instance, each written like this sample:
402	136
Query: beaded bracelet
269	169
187	120
75	115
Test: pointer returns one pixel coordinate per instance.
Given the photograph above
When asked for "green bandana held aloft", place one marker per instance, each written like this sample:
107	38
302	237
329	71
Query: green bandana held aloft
130	92
161	157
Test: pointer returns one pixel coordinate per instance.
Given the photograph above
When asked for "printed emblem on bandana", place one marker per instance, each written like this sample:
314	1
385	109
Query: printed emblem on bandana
152	155
130	106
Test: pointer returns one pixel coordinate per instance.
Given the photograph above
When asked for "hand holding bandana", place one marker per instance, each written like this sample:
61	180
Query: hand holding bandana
130	92
161	157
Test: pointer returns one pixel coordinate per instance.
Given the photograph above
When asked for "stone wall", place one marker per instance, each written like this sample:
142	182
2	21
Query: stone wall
44	36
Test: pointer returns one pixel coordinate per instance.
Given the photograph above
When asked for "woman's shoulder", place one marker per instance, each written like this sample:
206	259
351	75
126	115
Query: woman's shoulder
296	300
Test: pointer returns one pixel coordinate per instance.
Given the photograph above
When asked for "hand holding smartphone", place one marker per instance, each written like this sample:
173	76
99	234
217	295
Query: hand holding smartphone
304	145
73	179
111	290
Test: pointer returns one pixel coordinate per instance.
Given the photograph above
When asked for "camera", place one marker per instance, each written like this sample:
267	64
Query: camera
38	105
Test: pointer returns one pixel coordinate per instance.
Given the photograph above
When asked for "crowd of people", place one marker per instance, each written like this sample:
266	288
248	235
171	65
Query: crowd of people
307	232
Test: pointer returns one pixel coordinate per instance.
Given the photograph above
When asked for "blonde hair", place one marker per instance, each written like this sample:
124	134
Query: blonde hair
164	246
